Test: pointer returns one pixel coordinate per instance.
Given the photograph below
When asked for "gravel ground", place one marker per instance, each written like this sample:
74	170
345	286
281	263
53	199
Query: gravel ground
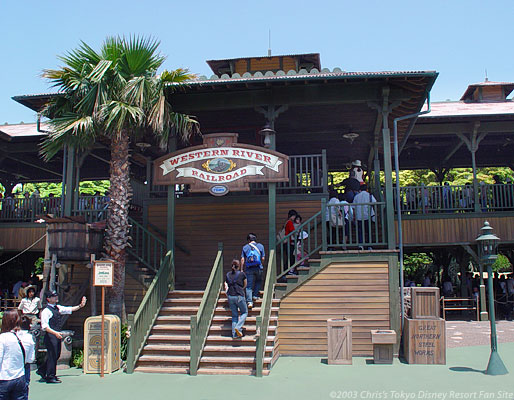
473	333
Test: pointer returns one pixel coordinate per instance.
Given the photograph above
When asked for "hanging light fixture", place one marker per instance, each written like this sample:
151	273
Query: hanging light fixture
351	136
266	131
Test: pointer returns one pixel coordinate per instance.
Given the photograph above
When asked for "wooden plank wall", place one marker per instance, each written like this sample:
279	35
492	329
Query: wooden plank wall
134	293
199	228
445	231
359	291
20	237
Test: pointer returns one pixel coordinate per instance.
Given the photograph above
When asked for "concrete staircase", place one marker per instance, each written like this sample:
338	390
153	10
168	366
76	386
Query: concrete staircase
224	355
167	348
293	281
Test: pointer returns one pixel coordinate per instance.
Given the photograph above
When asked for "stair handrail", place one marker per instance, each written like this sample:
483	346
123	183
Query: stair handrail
146	247
262	320
140	324
310	245
201	322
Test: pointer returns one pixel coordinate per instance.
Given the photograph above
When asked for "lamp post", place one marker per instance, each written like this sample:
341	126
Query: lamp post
484	315
488	250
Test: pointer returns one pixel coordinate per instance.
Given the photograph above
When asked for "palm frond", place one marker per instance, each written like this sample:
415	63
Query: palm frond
140	56
118	116
78	131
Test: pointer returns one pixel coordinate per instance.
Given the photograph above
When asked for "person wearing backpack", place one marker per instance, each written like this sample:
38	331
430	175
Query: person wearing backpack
235	285
252	258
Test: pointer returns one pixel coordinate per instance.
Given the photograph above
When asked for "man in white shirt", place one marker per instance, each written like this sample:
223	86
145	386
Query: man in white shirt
51	324
364	215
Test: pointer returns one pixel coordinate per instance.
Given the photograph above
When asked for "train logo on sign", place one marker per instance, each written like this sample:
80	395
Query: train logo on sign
219	165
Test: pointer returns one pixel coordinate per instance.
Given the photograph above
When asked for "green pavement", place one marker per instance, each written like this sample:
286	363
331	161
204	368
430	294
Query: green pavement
294	378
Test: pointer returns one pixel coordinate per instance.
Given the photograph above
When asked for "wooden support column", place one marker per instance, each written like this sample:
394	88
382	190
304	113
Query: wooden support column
376	173
472	145
148	188
68	191
388	171
170	237
271	113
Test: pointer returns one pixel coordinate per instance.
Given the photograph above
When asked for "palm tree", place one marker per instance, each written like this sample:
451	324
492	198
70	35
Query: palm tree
115	93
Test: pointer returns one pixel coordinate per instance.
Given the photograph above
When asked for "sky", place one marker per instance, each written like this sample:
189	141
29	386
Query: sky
459	39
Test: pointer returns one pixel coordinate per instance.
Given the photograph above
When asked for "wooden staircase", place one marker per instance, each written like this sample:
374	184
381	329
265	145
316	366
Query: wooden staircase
293	281
167	347
224	355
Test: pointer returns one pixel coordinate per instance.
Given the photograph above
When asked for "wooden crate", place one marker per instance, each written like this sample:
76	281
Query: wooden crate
339	341
425	302
424	341
383	341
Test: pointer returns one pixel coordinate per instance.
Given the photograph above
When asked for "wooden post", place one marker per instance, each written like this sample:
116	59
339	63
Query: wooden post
272	199
324	165
53	272
170	238
68	196
388	171
93	288
102	340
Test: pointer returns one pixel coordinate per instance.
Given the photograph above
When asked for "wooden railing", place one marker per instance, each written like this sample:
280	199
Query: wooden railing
354	225
295	248
201	322
146	247
262	320
27	209
140	324
456	198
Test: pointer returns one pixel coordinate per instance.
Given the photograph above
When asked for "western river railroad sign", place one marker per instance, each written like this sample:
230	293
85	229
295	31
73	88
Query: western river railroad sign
221	165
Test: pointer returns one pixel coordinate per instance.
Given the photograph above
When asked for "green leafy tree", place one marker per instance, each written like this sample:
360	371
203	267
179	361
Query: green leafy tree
115	93
417	265
502	264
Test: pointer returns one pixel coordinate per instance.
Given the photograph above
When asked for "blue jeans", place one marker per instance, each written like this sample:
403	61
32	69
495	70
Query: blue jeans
15	389
253	285
237	304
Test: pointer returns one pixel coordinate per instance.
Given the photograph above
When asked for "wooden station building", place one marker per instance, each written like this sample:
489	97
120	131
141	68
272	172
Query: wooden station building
319	121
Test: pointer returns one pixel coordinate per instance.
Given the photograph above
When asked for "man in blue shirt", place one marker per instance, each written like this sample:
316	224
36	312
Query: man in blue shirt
252	257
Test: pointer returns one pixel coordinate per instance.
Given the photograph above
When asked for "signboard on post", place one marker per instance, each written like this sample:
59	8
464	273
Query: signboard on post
221	165
103	273
103	276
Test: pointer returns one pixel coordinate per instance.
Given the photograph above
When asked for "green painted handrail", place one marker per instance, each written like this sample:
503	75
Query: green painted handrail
310	245
141	323
201	322
262	320
146	247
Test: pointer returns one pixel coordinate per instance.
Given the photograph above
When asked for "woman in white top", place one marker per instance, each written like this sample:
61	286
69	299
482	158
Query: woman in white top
30	305
16	350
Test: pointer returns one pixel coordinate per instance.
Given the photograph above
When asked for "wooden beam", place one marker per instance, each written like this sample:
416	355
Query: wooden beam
292	95
424	128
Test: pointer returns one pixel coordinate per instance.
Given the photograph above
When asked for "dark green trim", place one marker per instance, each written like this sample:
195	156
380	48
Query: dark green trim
464	215
13	224
238	199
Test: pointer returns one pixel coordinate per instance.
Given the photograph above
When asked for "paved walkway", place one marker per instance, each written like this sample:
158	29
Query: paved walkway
463	333
295	378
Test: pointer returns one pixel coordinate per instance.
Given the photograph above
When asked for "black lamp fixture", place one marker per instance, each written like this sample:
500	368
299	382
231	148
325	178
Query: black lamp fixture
267	132
488	252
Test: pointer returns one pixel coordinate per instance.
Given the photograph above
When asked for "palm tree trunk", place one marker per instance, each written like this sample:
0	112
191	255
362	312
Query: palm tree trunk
117	232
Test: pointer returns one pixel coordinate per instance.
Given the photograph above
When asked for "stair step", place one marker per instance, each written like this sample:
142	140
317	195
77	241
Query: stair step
167	347
229	371
245	340
180	310
185	293
164	359
182	302
176	339
243	361
169	327
227	328
162	370
236	350
222	318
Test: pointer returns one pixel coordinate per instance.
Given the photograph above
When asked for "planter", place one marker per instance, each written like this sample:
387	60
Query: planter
383	341
339	341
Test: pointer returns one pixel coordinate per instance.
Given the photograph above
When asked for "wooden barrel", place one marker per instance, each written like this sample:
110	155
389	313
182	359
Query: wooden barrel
70	241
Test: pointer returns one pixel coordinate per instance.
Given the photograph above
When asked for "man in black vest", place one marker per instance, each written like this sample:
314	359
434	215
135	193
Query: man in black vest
51	324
